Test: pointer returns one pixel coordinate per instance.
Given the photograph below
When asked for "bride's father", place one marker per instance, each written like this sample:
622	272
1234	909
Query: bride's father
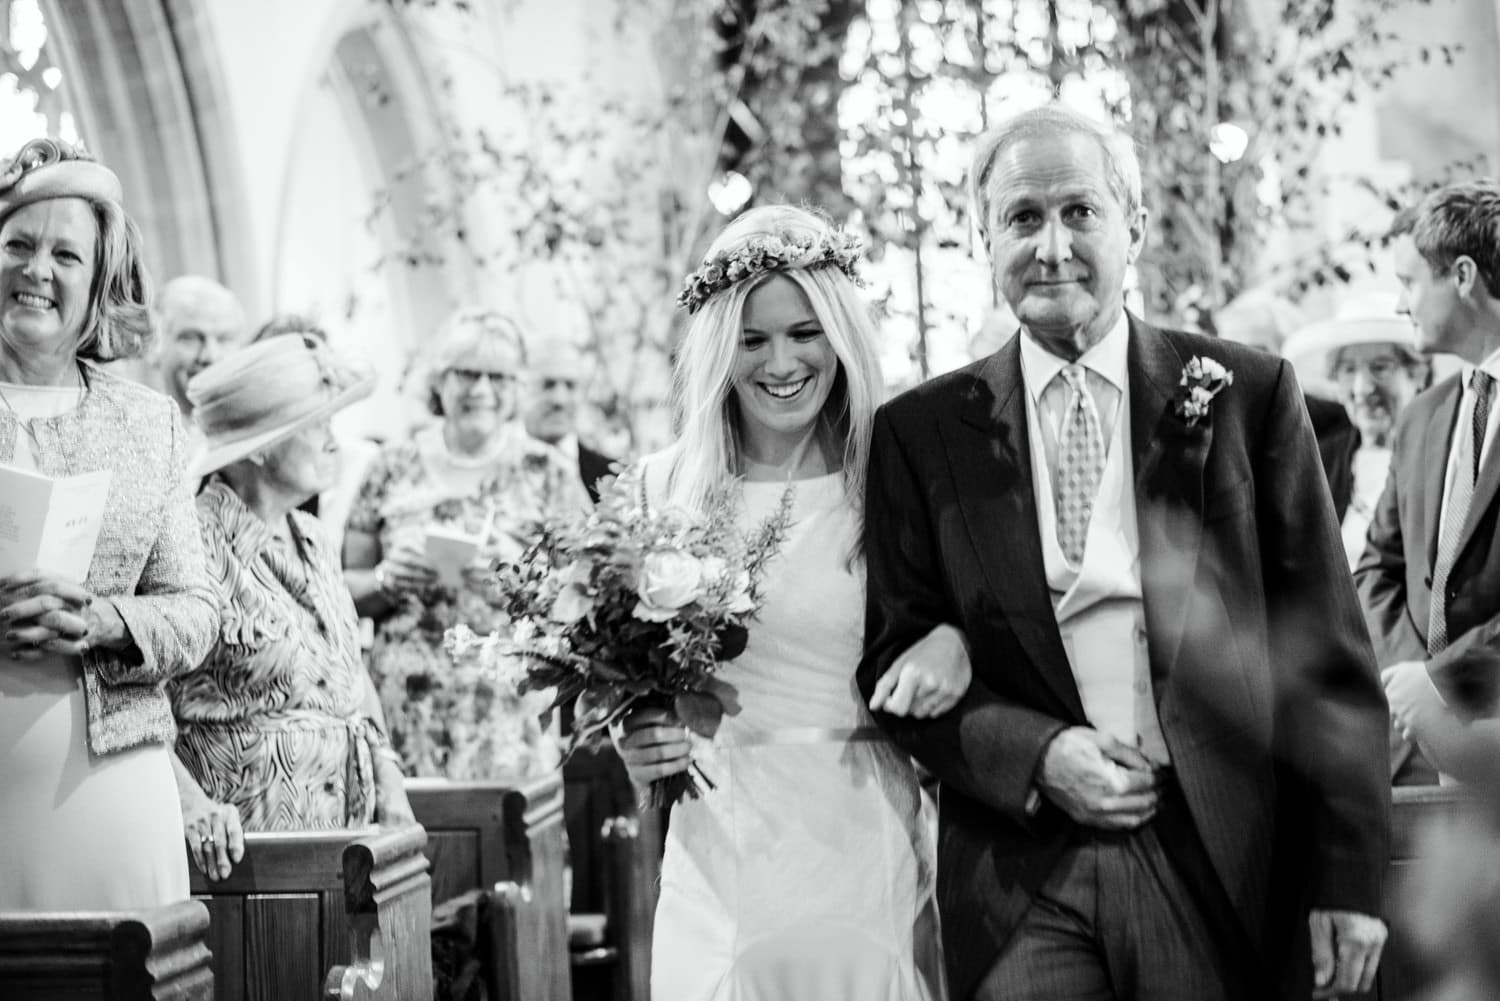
1167	779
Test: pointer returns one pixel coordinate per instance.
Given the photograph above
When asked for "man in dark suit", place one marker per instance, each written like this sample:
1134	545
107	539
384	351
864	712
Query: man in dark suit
551	412
1167	769
1429	579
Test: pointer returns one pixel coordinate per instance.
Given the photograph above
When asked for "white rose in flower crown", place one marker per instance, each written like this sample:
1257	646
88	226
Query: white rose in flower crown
669	580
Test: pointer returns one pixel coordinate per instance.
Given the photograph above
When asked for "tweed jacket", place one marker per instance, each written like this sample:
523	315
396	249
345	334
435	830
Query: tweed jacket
149	558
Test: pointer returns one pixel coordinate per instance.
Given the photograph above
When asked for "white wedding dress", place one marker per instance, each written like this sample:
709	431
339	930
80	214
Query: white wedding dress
807	872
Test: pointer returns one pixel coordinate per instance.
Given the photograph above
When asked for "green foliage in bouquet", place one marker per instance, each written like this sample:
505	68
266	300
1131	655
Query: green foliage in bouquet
633	606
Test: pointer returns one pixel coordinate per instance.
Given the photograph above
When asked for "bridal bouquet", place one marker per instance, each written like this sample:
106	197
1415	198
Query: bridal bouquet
632	606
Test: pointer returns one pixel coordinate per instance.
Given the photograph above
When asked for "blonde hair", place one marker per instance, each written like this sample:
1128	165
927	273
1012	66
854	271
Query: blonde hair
471	333
708	449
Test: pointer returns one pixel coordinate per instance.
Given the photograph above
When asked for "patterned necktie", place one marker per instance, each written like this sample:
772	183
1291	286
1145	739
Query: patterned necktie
1456	511
1080	465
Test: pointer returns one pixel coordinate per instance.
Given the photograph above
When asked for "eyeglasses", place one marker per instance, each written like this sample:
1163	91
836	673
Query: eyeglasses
1380	370
467	377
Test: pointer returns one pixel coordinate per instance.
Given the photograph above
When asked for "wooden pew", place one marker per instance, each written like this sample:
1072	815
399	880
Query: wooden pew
1404	976
506	841
599	803
151	955
631	875
337	914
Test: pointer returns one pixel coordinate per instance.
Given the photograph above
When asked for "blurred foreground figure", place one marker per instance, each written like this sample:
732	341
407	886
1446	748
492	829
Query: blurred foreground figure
1453	911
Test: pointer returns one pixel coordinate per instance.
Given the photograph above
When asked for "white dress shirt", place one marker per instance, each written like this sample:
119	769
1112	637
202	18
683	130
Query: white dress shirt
1098	603
1491	367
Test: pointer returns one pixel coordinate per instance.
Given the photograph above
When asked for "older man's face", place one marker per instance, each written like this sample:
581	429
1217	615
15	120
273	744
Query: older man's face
551	409
1375	383
1060	242
195	335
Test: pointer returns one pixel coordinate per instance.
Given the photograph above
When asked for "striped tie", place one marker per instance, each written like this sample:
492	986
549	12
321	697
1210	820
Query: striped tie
1080	463
1456	511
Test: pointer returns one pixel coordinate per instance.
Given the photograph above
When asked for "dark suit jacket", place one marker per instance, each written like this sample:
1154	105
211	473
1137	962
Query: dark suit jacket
593	466
1265	684
1394	577
1338	440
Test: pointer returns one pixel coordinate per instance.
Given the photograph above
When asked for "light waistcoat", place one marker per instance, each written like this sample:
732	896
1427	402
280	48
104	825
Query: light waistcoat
1098	604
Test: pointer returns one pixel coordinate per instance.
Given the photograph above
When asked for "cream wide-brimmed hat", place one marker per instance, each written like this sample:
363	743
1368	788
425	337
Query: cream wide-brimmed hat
1362	321
268	391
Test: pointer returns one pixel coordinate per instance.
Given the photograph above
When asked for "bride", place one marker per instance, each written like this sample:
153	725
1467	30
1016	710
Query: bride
806	872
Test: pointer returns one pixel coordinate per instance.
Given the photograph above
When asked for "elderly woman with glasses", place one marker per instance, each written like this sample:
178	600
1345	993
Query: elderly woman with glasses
88	807
279	729
433	514
1364	359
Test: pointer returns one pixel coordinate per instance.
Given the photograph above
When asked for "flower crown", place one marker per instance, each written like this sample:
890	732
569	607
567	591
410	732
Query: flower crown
764	254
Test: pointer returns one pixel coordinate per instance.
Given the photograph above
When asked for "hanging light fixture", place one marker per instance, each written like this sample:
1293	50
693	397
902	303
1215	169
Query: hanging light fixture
729	192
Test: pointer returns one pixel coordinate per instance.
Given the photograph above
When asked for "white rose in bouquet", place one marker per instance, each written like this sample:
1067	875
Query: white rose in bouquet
669	580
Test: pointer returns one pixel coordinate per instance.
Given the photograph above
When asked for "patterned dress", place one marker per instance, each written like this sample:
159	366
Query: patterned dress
277	719
455	720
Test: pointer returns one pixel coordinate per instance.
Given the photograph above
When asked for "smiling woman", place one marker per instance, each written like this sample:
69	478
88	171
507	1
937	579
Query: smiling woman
473	480
778	384
88	807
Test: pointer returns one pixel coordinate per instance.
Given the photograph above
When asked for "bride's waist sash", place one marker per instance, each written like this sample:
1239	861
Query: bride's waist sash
800	735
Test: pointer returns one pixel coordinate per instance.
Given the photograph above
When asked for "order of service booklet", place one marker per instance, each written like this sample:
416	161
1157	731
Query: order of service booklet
50	523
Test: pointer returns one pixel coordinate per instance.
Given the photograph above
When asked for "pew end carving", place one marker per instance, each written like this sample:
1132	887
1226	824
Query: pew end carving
301	904
159	954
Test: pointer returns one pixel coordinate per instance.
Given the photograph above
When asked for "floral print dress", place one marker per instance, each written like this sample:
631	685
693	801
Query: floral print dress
457	718
277	718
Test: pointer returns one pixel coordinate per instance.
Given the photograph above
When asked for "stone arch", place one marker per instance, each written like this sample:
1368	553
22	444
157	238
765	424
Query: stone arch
376	77
150	100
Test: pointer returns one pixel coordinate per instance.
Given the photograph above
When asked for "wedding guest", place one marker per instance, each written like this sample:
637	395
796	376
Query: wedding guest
477	474
295	323
289	323
1372	364
1429	579
200	321
778	379
279	728
88	807
1263	321
553	394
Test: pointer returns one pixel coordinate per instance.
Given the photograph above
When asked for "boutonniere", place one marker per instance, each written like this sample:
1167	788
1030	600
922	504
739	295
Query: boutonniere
1202	380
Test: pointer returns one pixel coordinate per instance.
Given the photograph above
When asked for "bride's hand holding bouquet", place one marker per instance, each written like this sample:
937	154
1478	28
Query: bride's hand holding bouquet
629	611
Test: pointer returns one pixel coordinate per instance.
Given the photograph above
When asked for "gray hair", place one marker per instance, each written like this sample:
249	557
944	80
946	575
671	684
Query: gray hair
1121	165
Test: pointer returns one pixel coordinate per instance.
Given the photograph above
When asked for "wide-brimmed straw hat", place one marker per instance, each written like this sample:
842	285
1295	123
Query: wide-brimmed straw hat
42	170
268	391
1364	321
